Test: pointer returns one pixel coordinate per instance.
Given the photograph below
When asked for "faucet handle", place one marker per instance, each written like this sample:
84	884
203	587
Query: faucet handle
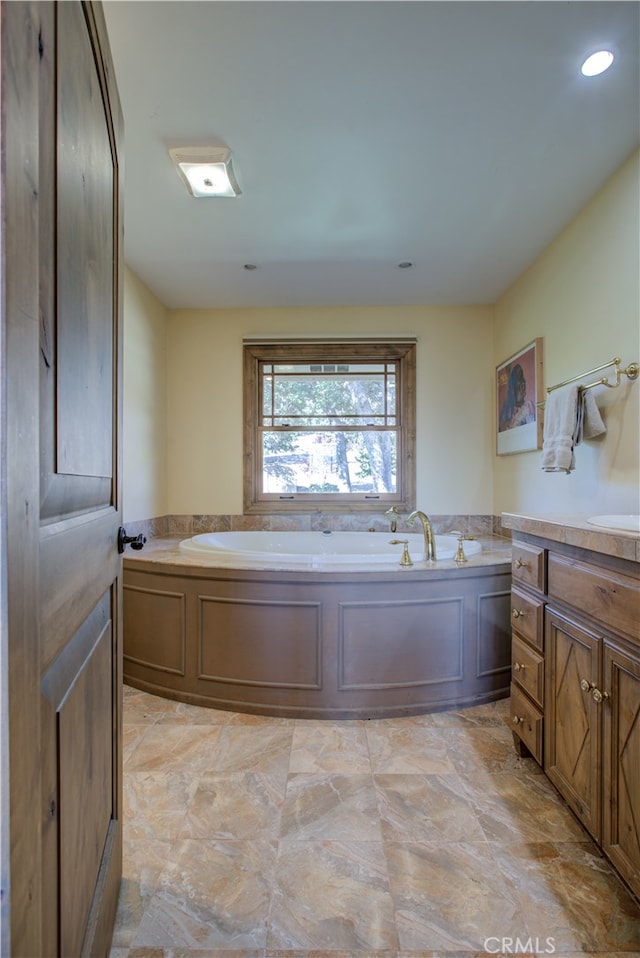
405	561
459	556
392	515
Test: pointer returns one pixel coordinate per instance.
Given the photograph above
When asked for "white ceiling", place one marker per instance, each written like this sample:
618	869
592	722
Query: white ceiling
457	135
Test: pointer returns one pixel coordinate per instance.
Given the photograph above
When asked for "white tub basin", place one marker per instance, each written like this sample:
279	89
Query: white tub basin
262	549
627	523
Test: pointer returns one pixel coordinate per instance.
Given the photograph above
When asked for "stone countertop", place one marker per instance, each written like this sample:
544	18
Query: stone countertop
575	530
166	551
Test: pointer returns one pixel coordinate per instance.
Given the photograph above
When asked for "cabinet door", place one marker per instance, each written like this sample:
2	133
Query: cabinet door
572	717
621	743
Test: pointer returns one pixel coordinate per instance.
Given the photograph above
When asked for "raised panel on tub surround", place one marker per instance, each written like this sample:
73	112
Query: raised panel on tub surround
494	635
273	644
400	644
155	626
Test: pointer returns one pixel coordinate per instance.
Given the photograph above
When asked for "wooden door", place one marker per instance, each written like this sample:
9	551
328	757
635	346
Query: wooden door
61	240
572	734
621	744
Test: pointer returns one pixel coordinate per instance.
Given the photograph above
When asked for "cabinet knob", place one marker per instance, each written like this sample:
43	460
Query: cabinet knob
519	564
518	667
598	696
517	720
585	685
518	613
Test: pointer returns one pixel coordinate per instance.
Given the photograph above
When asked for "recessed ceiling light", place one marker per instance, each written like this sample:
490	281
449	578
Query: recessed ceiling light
206	171
597	63
405	264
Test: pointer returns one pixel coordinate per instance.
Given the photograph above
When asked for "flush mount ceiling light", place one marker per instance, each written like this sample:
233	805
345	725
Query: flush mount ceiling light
206	170
597	63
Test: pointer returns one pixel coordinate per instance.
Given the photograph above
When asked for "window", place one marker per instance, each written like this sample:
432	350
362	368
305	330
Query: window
329	426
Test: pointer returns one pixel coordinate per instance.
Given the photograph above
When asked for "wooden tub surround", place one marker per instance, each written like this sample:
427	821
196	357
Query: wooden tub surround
374	643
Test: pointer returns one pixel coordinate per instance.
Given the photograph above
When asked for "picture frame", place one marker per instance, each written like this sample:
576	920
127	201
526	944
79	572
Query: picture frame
519	387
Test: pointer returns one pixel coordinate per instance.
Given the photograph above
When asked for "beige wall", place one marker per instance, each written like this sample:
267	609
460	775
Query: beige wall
145	403
454	398
183	380
582	295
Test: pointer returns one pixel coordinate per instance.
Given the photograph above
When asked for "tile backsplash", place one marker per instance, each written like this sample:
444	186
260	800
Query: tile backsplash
190	525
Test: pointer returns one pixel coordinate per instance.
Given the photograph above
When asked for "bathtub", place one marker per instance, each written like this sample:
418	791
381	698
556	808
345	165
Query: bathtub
317	550
326	633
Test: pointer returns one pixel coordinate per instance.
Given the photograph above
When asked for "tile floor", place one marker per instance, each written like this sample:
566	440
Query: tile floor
287	838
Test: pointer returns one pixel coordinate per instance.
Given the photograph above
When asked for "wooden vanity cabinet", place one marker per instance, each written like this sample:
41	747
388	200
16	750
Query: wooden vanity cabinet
575	685
592	699
528	578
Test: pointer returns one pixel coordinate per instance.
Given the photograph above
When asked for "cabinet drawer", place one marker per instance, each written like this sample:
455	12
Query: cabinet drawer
527	617
526	722
528	566
527	669
608	597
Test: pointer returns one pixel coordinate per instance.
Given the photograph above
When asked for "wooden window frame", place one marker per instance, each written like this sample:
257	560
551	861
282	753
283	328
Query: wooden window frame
403	353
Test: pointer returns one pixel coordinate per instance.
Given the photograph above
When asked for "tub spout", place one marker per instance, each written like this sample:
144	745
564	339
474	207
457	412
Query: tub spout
392	515
429	538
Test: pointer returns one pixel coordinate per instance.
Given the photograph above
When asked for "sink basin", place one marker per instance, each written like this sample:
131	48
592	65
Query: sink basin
628	523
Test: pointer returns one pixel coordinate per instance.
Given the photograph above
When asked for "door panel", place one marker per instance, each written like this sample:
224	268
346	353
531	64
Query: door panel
81	736
78	560
78	286
572	720
85	190
621	719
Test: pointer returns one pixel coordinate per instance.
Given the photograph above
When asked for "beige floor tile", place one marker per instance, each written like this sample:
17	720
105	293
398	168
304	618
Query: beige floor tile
131	735
330	747
449	896
235	805
333	807
522	808
211	895
417	837
479	749
175	748
185	714
480	716
245	718
426	808
331	895
155	803
143	863
568	892
143	709
408	749
254	749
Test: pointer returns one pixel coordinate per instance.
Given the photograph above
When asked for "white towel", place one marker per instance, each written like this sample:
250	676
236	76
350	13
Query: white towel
589	423
560	421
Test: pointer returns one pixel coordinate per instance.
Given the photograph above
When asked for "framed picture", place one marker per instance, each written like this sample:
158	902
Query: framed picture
518	391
